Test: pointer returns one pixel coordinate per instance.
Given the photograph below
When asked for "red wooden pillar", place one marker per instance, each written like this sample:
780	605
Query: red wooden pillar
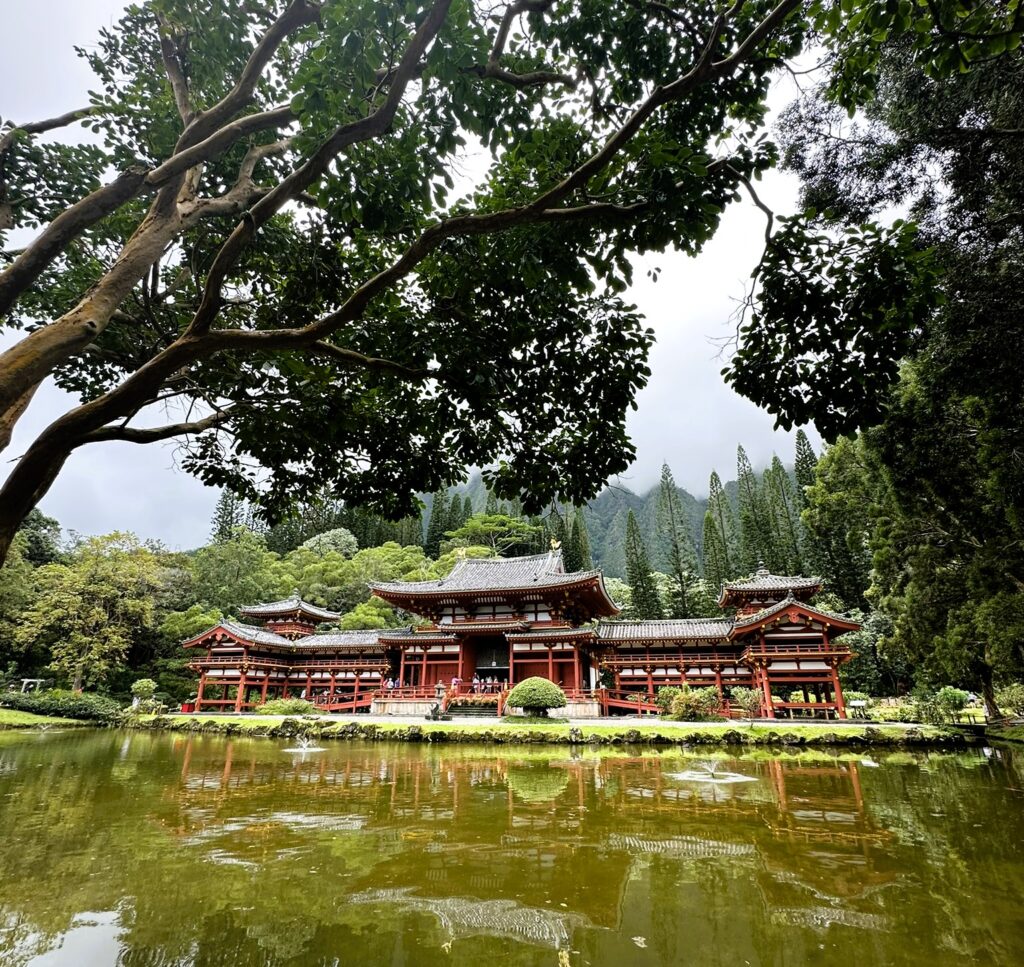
576	669
309	687
423	669
551	663
355	692
241	692
718	684
330	693
840	704
199	694
769	706
263	690
401	667
650	681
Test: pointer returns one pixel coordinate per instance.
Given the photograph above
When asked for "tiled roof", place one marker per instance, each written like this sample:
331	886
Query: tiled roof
407	634
342	640
250	633
260	636
763	580
787	602
670	629
556	633
495	574
286	606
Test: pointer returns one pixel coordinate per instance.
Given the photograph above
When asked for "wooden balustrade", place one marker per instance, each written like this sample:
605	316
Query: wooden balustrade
796	648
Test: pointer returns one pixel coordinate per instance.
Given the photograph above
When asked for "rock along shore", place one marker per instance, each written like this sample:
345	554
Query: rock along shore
508	733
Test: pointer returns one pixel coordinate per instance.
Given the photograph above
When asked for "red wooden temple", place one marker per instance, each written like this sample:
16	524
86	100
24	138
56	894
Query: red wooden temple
493	622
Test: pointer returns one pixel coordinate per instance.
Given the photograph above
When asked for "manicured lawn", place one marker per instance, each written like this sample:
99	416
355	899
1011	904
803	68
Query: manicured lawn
11	719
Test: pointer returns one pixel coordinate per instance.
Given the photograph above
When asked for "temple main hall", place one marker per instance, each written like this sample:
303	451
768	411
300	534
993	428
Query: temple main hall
493	622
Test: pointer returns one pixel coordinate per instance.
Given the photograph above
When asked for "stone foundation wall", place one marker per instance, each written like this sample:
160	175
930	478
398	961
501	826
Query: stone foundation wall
586	709
403	707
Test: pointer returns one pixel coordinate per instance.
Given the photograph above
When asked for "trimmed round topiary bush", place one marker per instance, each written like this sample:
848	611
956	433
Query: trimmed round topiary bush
143	689
535	696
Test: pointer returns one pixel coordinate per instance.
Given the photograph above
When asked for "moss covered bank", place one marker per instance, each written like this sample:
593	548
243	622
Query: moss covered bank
509	733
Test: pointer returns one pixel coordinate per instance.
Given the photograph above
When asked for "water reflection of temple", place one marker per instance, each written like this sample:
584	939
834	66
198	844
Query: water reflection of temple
553	841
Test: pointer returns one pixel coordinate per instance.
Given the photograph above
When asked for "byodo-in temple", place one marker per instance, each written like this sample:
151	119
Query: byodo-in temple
494	622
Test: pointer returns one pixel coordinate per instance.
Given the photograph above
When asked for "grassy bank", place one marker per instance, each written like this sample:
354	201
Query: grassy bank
12	719
724	733
1005	733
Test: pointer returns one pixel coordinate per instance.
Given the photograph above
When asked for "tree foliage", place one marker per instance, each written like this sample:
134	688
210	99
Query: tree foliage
88	609
282	248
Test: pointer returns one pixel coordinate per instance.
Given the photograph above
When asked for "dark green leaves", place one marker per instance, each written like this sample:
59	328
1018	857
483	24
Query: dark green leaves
832	319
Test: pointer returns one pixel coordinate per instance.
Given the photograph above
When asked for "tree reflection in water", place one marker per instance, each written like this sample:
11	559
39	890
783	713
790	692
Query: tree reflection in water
160	849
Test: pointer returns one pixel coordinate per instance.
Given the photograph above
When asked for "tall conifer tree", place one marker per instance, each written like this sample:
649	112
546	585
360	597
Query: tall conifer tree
803	468
716	562
675	542
582	538
491	503
467	508
572	553
785	517
646	603
725	524
755	530
228	514
438	524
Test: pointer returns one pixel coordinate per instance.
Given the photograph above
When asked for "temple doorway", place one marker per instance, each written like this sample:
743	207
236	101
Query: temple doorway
490	659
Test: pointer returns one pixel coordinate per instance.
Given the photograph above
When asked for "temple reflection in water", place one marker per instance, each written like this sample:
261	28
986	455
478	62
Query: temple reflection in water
174	850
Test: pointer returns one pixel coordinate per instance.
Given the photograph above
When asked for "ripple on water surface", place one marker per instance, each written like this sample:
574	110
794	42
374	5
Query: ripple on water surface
132	849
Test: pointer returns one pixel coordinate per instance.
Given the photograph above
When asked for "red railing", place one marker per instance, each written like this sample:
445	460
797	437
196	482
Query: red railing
795	648
639	702
343	701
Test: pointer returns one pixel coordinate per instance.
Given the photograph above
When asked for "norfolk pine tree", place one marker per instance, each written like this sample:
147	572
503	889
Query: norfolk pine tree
645	601
675	542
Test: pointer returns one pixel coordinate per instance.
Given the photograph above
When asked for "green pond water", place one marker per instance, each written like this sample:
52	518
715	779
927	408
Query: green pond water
153	849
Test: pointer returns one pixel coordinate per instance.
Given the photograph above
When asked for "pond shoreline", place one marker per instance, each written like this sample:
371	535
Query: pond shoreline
508	733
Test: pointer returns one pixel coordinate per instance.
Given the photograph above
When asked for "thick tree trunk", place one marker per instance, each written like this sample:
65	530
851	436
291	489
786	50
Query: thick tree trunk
988	693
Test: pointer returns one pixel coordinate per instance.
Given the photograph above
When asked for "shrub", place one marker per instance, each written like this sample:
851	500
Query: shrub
951	702
695	704
535	696
144	689
1011	698
665	697
748	699
288	706
64	704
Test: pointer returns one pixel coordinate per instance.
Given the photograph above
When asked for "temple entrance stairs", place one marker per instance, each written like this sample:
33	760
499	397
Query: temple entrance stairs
473	711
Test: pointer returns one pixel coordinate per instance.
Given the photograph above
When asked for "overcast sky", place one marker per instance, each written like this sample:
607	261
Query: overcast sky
687	416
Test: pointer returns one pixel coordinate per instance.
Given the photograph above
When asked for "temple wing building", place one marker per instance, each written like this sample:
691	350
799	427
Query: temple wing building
492	622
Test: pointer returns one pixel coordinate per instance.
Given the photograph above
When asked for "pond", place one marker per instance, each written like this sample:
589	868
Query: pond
154	849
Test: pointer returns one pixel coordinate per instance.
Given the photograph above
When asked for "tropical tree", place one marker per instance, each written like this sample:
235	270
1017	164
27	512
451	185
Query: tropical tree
232	573
509	536
89	609
282	248
340	540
